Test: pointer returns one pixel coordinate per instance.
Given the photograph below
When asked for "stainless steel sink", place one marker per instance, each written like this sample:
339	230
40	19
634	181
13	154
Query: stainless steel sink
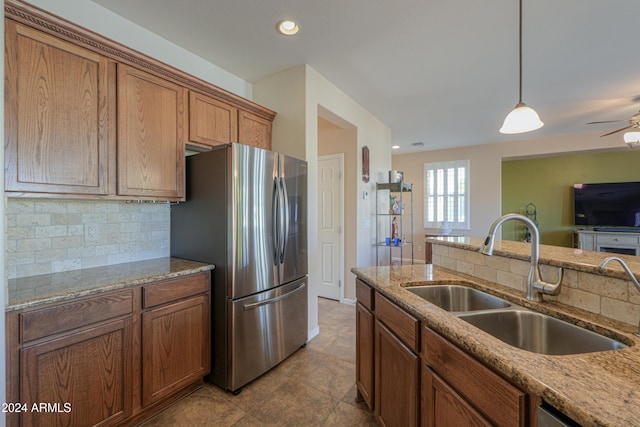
458	298
540	333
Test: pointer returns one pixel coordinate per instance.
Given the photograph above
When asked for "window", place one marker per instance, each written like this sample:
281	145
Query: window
446	197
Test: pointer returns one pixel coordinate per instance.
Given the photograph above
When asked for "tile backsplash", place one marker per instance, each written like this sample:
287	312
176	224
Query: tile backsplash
48	236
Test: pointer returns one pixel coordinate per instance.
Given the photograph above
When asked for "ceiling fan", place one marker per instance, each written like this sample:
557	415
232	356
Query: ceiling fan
634	123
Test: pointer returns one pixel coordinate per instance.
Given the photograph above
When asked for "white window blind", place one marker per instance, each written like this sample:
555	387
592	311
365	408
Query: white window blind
446	198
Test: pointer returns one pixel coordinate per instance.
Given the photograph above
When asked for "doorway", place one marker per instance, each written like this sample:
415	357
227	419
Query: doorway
330	225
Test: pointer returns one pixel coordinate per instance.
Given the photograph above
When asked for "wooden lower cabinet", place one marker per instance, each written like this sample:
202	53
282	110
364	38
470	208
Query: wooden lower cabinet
365	322
175	347
110	359
364	354
442	406
421	378
83	379
458	386
397	379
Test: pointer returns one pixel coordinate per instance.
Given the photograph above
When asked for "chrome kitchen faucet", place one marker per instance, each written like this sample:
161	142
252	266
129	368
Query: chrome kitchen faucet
535	285
629	272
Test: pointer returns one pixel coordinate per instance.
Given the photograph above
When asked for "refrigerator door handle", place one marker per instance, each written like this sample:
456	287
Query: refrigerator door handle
275	221
273	300
285	225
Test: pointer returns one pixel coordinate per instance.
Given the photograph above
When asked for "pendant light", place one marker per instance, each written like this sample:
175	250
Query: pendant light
522	118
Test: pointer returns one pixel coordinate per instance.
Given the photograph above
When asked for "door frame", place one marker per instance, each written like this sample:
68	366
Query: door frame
340	157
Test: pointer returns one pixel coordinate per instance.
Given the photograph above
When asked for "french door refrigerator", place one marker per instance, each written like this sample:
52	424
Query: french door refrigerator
246	212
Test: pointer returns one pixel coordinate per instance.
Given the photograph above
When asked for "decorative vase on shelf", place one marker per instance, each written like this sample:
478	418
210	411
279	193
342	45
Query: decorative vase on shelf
394	228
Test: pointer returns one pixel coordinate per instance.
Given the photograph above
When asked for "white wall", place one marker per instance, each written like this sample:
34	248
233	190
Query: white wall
485	165
94	17
370	132
299	93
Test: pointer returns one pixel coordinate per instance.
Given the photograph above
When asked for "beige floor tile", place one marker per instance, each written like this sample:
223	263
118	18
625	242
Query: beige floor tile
313	387
356	417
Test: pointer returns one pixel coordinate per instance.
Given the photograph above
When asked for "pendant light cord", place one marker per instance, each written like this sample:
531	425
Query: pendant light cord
520	52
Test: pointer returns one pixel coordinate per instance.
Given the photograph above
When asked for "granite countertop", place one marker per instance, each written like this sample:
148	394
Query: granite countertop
45	288
601	388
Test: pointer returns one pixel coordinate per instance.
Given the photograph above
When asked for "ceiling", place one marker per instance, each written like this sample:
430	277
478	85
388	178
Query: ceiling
441	72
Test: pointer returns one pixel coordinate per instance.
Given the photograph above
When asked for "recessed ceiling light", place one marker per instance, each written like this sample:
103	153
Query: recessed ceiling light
395	147
288	27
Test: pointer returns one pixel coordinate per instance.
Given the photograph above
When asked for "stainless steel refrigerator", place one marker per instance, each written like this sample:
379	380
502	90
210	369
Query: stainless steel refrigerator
246	212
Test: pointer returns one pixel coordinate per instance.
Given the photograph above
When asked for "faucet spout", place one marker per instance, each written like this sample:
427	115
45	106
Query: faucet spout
625	266
628	271
535	285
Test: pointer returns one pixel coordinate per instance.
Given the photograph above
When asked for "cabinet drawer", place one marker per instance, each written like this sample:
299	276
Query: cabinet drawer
496	398
617	240
175	289
71	315
403	325
364	294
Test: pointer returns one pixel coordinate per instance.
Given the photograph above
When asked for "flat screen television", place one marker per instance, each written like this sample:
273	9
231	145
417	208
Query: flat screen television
613	204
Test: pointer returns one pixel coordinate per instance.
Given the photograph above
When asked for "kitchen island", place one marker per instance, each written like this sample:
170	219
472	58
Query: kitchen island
600	388
107	345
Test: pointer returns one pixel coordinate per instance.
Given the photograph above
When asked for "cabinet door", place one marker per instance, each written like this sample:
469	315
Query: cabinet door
586	242
175	347
490	394
150	136
442	406
364	354
59	115
254	130
397	378
86	377
211	122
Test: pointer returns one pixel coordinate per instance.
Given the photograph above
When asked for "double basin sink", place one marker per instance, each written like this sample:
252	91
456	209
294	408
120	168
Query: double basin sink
513	324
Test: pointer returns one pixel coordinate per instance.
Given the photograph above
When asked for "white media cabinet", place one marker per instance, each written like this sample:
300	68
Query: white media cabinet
619	242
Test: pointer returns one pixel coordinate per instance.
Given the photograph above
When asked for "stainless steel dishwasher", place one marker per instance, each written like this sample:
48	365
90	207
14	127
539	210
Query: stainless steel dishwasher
551	417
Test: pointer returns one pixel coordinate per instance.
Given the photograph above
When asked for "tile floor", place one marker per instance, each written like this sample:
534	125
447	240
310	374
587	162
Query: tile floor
313	387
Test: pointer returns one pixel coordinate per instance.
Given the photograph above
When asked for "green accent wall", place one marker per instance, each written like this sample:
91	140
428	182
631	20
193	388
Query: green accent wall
548	184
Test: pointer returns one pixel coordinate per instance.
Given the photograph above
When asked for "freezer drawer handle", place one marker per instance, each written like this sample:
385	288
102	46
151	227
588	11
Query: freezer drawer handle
272	300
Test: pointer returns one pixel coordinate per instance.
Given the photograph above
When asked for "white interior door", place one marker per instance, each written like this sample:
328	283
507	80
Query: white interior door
330	220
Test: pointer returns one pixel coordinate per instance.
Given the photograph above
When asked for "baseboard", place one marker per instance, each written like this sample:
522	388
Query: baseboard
313	333
348	301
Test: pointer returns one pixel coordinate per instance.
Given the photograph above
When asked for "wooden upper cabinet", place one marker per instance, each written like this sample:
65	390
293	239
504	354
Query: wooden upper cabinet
59	115
214	122
211	122
254	130
150	136
86	117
